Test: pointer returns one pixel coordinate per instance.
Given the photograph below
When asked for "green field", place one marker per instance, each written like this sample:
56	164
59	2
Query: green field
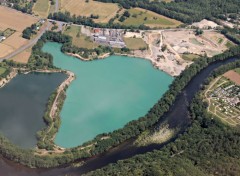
229	44
140	16
237	70
135	43
2	70
41	8
195	41
79	40
190	57
220	40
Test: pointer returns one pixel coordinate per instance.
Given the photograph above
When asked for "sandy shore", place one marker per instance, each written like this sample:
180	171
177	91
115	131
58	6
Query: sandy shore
84	59
166	67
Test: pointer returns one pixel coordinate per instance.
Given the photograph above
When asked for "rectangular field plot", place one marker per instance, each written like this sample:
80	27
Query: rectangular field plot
12	24
105	11
140	16
41	8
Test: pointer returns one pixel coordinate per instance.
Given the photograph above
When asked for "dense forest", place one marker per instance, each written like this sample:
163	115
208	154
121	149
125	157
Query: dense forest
187	11
208	147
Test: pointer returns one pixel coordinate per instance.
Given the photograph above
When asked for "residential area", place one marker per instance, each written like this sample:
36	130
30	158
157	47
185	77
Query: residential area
223	97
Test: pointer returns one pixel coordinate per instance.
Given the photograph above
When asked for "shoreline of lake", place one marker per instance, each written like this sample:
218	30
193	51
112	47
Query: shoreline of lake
106	55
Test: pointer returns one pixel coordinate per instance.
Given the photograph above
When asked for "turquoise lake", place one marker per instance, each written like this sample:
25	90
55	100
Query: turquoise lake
105	95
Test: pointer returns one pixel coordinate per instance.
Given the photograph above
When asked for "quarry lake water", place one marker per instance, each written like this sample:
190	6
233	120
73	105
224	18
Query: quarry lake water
105	95
23	104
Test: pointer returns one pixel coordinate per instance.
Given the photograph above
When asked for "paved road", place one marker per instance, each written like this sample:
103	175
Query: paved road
31	43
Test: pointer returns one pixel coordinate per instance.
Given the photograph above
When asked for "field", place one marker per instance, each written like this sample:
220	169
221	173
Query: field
229	44
79	39
189	57
233	76
12	20
41	8
83	8
195	41
237	70
23	57
140	16
135	43
2	70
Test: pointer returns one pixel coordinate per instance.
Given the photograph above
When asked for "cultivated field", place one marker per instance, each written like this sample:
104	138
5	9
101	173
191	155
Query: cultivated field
17	21
80	40
233	76
140	16
5	49
83	8
135	43
23	57
41	8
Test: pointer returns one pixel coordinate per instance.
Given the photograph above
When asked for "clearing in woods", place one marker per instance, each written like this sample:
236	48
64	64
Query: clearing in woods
13	22
140	16
105	11
41	8
80	40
